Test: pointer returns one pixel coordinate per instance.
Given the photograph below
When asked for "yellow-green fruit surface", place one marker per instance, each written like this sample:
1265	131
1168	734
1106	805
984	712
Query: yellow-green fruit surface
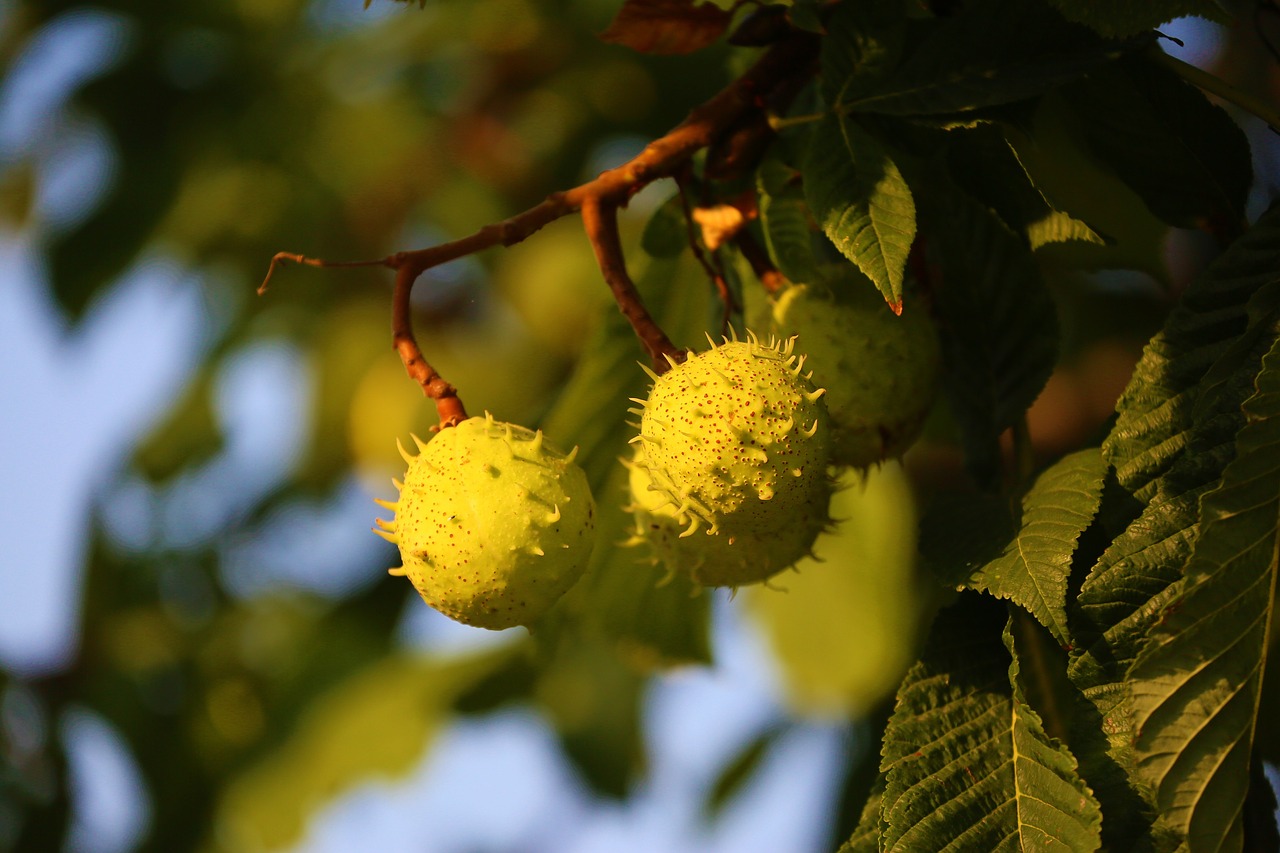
880	369
729	483
493	524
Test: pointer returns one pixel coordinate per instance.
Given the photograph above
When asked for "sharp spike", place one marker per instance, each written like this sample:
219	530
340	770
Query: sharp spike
537	441
649	371
385	525
399	485
573	454
813	396
390	537
536	551
554	515
422	445
391	505
812	430
694	524
710	339
404	454
670	359
397	571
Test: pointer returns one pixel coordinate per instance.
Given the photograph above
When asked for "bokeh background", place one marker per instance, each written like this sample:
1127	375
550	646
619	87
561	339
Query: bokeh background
200	648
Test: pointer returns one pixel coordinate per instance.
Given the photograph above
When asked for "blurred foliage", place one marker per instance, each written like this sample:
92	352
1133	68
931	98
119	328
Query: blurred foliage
212	134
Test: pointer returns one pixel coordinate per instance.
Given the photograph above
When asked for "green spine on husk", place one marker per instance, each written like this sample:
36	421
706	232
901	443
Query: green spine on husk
729	482
494	524
881	370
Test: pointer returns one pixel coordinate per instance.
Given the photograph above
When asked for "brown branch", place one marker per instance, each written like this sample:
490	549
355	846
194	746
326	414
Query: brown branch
727	302
788	63
600	220
448	405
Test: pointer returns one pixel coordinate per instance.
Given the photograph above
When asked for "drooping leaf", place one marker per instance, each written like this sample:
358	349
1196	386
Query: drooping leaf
1161	136
966	760
984	165
999	325
995	53
1032	567
861	201
666	26
1174	437
1196	684
1127	17
739	770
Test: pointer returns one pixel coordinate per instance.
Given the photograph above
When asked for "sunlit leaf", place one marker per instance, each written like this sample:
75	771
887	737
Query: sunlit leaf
1196	683
861	201
966	760
1031	569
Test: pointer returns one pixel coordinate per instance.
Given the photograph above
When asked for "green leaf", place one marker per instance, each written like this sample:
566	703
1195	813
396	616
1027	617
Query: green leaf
863	43
1174	437
375	724
738	771
866	836
666	234
1032	568
983	163
966	760
786	221
996	53
1197	682
861	201
1182	154
999	325
1127	17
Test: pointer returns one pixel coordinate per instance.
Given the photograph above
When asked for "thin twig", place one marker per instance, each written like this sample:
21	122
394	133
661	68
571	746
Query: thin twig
280	257
771	278
727	302
600	221
598	199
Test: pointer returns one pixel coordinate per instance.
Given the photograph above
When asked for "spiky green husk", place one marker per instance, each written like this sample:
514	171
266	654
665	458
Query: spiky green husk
881	370
493	523
729	483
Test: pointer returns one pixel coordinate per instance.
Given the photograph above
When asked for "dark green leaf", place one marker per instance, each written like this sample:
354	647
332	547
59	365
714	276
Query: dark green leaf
738	771
866	837
864	43
998	322
786	221
1127	17
1196	684
967	762
1032	567
1161	136
861	201
984	165
1174	437
994	54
